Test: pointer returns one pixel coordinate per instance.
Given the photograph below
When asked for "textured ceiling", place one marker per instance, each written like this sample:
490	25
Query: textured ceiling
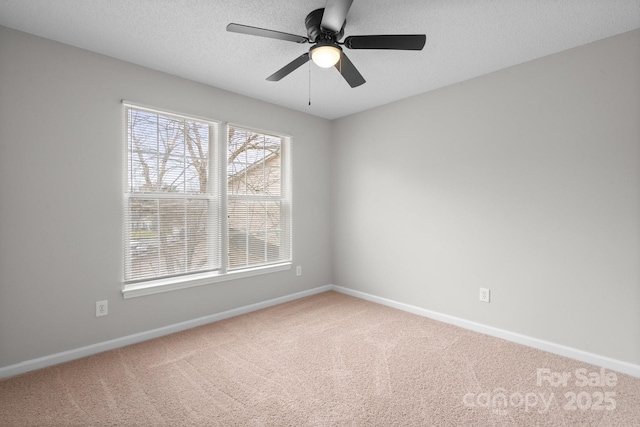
187	38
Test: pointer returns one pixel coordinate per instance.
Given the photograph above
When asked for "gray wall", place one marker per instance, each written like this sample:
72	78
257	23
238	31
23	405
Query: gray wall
61	156
525	181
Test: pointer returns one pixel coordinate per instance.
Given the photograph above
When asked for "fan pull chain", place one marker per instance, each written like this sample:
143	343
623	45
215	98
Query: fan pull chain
309	83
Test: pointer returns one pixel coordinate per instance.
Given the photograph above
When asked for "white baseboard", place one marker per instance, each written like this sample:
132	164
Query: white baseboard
66	356
561	350
572	353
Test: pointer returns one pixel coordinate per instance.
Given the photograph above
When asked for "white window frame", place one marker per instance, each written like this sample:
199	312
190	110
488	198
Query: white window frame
219	184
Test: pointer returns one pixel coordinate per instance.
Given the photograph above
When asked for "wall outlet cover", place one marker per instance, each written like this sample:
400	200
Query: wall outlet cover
485	295
102	308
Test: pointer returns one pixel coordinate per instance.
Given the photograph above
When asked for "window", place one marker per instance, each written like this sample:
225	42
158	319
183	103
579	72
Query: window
182	225
171	207
259	208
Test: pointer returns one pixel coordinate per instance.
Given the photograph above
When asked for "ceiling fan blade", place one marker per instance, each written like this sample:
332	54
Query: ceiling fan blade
291	66
349	71
335	13
396	42
262	32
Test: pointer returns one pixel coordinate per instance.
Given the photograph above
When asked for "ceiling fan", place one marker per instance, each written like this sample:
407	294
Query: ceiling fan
325	27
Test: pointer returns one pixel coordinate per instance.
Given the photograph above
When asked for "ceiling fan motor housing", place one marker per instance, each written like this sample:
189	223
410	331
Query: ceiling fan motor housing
314	30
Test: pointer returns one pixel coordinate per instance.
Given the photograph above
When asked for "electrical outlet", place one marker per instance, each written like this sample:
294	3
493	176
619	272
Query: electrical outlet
102	308
485	295
299	270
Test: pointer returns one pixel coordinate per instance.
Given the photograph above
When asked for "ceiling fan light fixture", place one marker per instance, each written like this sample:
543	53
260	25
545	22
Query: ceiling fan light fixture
325	56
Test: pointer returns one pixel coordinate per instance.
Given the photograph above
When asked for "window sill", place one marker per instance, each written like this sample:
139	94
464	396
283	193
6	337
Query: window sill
172	284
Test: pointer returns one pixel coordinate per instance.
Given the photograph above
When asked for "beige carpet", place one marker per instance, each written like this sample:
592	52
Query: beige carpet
325	360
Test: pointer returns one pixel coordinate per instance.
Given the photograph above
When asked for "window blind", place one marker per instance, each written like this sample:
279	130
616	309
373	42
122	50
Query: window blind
258	198
171	203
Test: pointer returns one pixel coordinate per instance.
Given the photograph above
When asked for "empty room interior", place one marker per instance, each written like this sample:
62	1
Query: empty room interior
455	213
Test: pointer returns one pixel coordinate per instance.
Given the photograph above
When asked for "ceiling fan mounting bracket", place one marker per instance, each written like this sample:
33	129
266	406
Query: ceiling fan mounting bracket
315	30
